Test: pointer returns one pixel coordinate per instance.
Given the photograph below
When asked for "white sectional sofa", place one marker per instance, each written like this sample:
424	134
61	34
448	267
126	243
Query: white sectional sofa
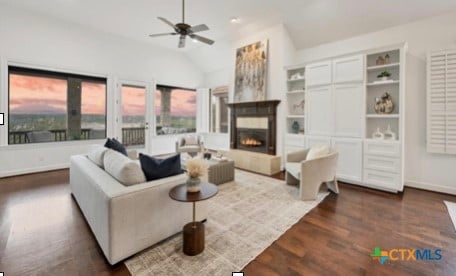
128	219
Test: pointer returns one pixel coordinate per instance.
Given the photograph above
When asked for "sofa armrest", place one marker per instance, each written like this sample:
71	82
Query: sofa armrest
297	156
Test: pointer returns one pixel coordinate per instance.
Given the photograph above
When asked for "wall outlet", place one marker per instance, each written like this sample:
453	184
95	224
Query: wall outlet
2	119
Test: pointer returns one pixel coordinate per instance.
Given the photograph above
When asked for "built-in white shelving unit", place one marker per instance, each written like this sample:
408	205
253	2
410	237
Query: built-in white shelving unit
340	110
294	138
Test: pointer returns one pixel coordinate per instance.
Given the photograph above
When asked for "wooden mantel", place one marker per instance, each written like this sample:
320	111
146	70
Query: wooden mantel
266	109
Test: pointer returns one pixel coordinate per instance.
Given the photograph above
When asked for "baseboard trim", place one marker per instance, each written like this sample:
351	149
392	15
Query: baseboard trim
35	170
431	187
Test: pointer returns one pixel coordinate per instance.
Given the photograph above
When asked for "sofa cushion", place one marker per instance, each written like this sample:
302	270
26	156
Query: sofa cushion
317	151
155	168
123	169
96	154
116	145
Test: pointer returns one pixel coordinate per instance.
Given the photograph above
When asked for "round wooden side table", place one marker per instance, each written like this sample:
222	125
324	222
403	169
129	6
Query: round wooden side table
193	232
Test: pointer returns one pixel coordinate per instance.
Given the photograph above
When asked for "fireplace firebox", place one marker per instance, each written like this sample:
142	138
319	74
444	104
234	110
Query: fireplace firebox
253	126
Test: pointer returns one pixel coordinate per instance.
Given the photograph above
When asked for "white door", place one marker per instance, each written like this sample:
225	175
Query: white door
135	112
348	110
319	110
350	160
348	69
318	73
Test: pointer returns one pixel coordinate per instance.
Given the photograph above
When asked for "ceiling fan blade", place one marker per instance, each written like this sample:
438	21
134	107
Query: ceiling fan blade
202	39
166	21
182	41
156	35
199	28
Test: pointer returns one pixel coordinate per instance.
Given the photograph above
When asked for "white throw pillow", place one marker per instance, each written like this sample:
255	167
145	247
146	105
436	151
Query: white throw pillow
122	168
96	154
317	151
191	140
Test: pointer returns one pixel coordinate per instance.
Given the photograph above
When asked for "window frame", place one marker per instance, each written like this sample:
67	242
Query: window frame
155	115
227	93
40	71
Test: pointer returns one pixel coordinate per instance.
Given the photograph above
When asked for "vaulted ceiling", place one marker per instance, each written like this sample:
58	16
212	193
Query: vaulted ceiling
309	22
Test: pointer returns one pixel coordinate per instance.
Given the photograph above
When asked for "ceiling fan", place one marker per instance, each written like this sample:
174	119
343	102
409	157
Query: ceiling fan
185	30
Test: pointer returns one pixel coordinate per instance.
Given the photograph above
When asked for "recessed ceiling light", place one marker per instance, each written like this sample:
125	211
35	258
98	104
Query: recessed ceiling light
194	40
234	19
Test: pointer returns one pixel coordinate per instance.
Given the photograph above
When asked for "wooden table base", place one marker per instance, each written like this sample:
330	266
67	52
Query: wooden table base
193	238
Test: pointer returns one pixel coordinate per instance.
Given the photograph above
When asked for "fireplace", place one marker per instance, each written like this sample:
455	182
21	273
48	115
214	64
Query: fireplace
252	139
253	126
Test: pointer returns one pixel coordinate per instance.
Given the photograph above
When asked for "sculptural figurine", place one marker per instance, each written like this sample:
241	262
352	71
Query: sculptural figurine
384	104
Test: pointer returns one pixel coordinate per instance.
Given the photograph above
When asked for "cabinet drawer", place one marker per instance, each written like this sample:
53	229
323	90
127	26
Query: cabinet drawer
382	148
295	140
383	179
382	163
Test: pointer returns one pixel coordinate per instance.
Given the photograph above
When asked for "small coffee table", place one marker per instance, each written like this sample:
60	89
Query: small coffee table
194	231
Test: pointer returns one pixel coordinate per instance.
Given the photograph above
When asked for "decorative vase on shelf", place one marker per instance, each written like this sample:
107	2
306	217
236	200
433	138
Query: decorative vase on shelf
387	59
389	134
295	127
193	185
384	104
377	135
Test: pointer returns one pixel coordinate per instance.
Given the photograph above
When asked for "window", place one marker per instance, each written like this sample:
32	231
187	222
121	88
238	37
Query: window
52	107
175	110
219	110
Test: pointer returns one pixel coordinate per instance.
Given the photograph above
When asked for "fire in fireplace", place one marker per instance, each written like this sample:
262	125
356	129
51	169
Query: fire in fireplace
252	139
251	142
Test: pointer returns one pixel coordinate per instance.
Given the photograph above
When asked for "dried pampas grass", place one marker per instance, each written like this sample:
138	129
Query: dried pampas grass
196	168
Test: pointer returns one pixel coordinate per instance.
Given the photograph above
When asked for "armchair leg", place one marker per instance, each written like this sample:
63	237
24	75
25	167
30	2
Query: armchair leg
333	186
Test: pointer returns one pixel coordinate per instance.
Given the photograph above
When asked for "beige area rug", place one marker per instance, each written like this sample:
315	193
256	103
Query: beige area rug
451	206
245	218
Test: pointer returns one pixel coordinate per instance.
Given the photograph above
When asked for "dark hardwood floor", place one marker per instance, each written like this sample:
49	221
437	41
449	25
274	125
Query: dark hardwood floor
42	231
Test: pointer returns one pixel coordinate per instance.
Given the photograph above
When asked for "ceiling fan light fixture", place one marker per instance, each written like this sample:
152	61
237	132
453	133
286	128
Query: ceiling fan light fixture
234	20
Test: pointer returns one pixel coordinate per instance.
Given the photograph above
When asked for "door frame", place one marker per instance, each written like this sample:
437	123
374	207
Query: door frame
150	110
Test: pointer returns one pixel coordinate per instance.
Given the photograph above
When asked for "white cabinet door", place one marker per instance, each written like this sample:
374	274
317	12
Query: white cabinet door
348	69
318	140
350	160
348	110
319	110
318	73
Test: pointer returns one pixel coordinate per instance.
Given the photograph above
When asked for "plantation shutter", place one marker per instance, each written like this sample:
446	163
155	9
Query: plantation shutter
441	102
451	102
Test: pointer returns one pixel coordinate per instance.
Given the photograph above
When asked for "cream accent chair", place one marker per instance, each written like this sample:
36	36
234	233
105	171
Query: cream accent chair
310	174
192	149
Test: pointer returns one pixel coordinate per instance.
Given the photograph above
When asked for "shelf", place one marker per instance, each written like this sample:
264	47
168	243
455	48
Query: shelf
296	134
300	79
296	116
296	92
386	66
383	116
383	141
383	83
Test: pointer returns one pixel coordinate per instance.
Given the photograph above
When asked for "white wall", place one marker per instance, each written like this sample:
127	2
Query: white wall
429	171
281	53
52	43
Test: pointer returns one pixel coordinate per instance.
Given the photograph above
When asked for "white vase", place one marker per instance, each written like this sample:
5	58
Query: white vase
193	185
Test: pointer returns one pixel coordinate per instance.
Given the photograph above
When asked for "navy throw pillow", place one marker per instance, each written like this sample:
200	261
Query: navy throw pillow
155	168
116	145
